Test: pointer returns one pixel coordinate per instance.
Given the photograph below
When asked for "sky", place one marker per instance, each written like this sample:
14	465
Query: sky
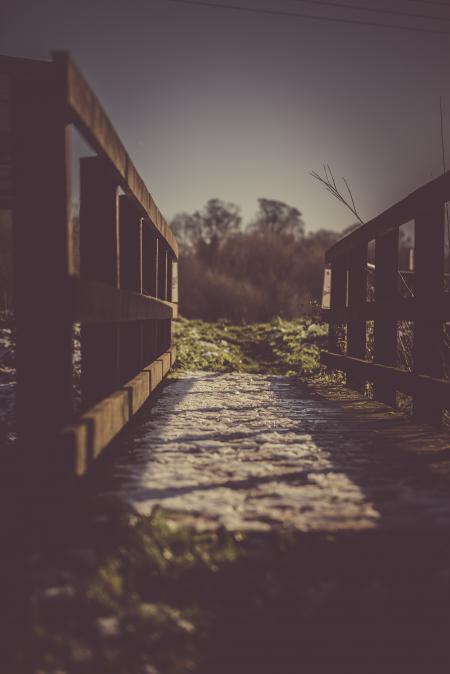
220	103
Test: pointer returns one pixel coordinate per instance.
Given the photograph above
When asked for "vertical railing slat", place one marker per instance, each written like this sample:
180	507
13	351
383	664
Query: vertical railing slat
130	228
429	289
385	328
338	301
357	295
162	269
99	261
149	260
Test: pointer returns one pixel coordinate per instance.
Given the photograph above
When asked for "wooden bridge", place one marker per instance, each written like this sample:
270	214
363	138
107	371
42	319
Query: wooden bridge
124	291
124	294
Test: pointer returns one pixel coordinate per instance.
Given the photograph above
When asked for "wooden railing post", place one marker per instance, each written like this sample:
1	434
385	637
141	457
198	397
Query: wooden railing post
99	261
429	289
162	269
150	276
174	294
149	260
338	302
41	231
357	295
169	275
131	337
130	230
385	328
40	99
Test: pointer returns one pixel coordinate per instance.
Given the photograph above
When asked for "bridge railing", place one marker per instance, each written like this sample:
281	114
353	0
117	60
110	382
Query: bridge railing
124	293
427	311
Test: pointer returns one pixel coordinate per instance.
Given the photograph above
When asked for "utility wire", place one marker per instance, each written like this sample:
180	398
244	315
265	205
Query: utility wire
378	10
441	3
329	19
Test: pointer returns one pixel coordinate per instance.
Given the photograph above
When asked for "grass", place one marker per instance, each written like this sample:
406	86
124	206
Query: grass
140	596
280	347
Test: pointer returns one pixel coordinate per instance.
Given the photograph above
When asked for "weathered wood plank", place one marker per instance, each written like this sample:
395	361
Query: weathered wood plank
41	262
385	329
130	244
95	302
357	295
436	191
428	288
99	222
399	308
83	441
408	382
149	260
27	69
162	270
99	262
90	118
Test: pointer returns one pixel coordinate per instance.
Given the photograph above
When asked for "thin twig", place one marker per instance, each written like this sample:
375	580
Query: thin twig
330	183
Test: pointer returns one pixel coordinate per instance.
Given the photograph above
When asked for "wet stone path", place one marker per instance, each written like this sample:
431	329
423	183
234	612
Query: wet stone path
253	451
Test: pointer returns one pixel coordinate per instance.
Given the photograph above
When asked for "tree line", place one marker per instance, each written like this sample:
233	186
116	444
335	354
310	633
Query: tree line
249	272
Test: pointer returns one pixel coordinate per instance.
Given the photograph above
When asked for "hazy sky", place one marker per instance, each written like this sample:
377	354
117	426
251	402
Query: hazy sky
214	102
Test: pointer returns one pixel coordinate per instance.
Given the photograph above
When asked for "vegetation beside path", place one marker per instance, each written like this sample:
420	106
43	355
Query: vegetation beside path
133	595
279	347
88	587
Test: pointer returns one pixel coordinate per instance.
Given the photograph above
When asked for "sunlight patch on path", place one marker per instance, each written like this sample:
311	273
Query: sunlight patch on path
253	451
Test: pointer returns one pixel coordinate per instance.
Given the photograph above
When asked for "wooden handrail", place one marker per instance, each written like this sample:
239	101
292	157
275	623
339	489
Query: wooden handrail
428	309
89	117
436	191
122	293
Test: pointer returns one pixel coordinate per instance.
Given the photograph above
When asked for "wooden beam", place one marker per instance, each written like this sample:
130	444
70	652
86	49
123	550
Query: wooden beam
130	244
408	382
149	260
27	69
42	236
99	222
428	343
99	262
95	302
82	442
89	117
385	327
357	296
436	191
395	308
162	270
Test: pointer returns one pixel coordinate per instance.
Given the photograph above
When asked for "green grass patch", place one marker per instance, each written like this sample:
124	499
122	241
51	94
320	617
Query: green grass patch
280	347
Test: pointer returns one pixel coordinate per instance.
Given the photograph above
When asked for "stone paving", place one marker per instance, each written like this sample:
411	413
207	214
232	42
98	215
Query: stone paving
254	451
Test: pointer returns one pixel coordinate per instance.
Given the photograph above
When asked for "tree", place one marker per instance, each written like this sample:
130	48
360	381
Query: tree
186	229
204	231
276	217
217	221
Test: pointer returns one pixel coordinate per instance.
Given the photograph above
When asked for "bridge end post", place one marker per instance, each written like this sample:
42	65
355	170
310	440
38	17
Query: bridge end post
42	261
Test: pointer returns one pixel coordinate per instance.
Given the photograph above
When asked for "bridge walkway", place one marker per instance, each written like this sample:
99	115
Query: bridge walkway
252	452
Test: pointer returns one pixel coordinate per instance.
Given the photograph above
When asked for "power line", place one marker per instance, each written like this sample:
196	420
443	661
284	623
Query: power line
441	3
329	19
378	10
